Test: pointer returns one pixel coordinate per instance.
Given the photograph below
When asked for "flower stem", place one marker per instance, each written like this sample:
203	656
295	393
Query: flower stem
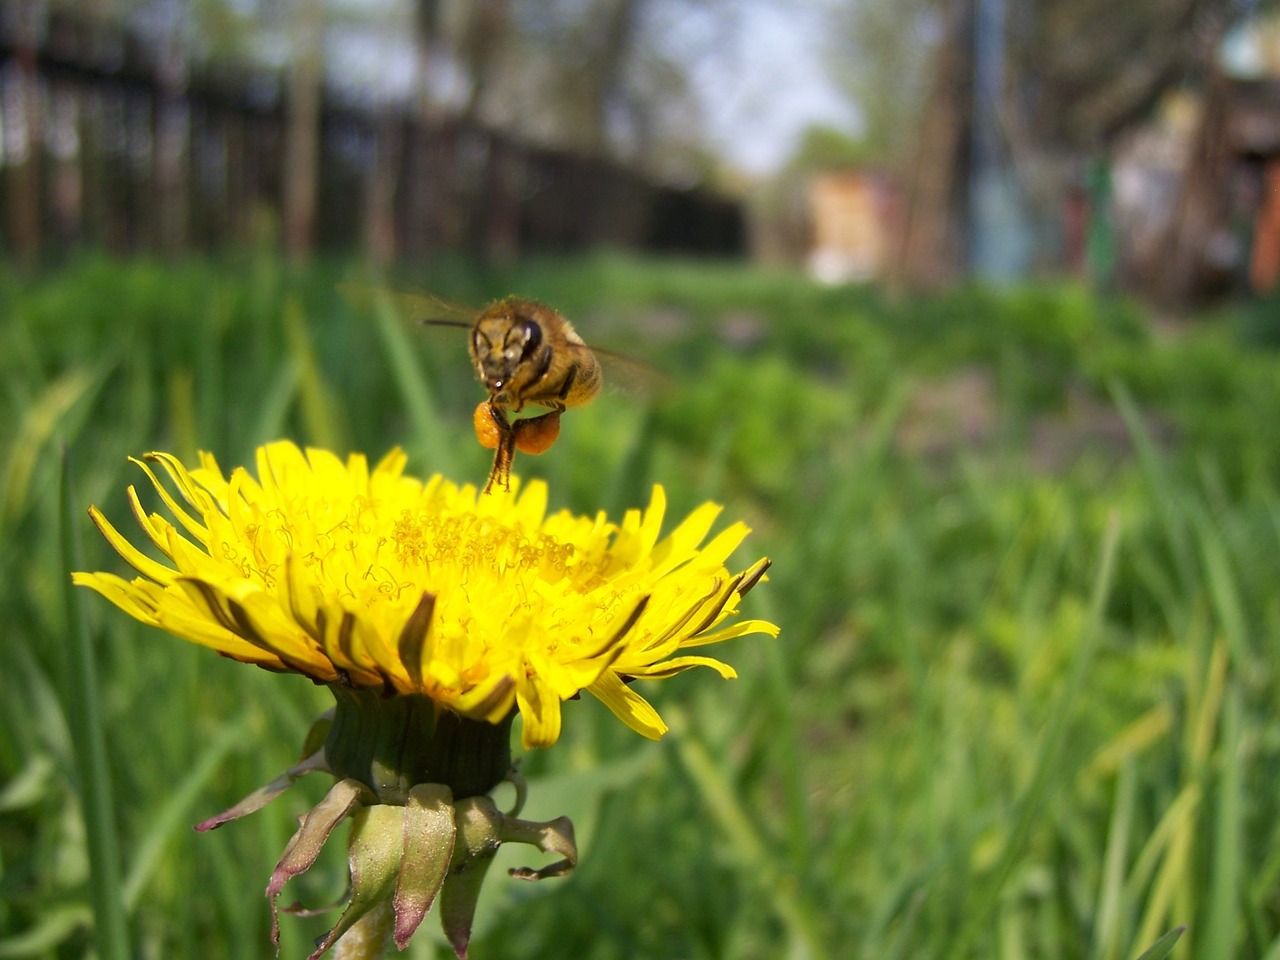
368	938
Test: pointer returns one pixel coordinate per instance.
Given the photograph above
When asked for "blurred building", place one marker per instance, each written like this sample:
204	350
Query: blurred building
1255	137
1196	200
852	221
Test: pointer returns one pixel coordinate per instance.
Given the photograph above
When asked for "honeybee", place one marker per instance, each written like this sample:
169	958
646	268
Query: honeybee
524	352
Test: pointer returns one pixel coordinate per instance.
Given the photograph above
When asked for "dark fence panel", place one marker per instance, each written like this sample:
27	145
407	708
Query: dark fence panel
111	142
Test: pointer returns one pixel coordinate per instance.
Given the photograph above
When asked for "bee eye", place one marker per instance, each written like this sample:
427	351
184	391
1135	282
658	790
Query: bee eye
532	337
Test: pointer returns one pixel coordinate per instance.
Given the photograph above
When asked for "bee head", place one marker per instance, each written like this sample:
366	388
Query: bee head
501	342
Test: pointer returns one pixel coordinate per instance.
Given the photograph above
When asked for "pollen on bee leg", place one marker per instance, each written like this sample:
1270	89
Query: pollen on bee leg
488	431
537	434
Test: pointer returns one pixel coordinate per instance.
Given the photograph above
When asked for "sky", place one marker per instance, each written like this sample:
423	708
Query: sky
770	85
760	84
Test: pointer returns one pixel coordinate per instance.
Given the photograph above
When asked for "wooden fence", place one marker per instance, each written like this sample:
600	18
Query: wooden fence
111	142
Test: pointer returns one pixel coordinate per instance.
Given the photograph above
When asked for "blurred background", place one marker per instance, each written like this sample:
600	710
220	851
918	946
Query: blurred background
968	307
915	143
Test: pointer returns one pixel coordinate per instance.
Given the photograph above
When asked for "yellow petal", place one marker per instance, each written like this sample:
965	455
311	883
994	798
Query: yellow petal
190	490
241	617
135	558
717	551
392	464
190	623
491	700
193	526
540	709
679	544
669	668
628	706
137	598
739	629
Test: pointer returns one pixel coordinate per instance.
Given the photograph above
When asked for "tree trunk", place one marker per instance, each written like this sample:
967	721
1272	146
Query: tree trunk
604	66
66	187
931	245
486	29
26	148
1186	270
380	230
170	150
501	241
302	134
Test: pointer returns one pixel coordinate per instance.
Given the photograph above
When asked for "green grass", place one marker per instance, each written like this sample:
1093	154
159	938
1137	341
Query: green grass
1024	704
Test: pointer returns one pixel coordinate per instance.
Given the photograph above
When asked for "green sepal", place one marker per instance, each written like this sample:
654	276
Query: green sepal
481	830
374	851
305	845
315	763
428	850
478	823
317	733
553	836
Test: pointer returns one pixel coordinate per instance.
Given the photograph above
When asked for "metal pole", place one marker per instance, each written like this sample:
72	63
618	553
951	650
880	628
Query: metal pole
998	242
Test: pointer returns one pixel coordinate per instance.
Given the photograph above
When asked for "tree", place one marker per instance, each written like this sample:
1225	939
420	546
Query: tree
608	77
882	53
1082	71
1076	73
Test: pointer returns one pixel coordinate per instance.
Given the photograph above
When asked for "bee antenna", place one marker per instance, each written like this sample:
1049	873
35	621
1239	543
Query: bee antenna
442	322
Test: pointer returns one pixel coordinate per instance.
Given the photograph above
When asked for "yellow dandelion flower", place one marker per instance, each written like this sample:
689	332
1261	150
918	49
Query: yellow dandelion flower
364	578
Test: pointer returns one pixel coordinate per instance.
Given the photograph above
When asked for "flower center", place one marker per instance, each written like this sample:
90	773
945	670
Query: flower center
467	541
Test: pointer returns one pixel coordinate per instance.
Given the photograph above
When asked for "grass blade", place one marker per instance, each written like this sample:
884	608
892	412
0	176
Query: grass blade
322	414
87	725
750	847
1031	804
1164	492
175	812
1111	891
1222	922
1164	946
415	390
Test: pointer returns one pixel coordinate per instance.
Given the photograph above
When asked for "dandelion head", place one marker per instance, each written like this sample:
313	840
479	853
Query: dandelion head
372	578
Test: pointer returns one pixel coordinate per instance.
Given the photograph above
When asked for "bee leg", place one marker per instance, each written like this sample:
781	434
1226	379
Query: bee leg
503	457
567	387
504	450
537	434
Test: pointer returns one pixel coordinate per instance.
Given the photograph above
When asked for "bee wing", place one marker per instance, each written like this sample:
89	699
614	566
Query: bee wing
417	307
628	374
620	370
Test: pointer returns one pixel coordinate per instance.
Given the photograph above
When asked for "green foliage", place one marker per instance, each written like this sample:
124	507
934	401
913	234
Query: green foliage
1023	705
827	148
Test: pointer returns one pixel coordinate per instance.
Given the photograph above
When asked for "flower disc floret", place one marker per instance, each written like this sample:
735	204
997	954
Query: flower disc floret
374	578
